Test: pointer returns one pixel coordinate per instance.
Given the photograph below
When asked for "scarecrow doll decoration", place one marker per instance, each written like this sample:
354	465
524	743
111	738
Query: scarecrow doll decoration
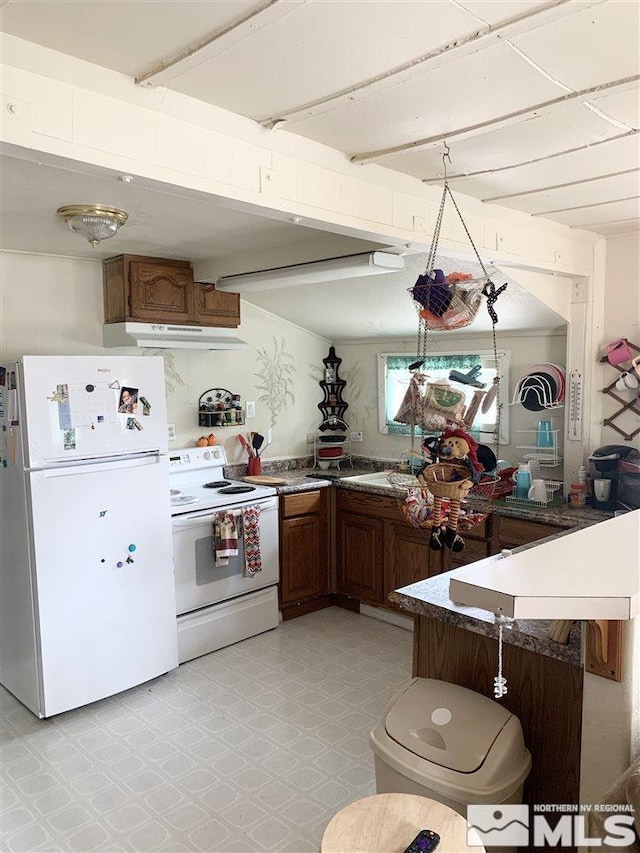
451	478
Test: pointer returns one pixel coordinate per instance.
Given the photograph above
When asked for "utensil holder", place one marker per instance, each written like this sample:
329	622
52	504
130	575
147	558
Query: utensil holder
254	466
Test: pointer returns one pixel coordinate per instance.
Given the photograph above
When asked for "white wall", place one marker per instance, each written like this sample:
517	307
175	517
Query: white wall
53	305
611	712
621	319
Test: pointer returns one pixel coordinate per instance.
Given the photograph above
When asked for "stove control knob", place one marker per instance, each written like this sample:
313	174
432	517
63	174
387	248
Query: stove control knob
207	454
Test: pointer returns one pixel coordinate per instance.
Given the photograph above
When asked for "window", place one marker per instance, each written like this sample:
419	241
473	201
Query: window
393	381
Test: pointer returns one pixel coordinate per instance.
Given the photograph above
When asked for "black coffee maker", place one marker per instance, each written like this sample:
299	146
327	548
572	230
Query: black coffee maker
605	461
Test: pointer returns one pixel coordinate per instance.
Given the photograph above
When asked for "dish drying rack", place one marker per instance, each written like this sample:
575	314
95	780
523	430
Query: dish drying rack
546	457
541	390
552	486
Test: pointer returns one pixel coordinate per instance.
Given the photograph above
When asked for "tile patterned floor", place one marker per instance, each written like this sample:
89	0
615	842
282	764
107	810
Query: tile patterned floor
251	748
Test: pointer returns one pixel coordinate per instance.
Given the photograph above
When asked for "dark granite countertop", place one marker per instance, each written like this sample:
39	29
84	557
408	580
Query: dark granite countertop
430	597
302	476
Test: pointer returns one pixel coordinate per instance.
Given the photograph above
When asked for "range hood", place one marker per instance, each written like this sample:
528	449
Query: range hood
163	336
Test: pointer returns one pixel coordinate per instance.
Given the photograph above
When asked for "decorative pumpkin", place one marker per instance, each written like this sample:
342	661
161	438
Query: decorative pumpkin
202	441
211	439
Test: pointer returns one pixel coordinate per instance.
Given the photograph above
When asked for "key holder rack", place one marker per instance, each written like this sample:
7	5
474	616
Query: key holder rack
632	405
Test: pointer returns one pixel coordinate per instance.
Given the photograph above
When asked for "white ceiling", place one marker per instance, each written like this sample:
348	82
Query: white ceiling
172	222
537	99
538	102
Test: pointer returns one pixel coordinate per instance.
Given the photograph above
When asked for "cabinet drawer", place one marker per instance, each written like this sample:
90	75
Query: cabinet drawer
350	500
514	531
302	503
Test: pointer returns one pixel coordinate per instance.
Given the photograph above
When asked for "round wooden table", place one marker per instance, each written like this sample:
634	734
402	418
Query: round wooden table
388	823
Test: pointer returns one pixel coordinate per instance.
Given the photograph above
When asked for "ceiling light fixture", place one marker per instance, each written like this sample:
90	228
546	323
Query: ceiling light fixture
314	272
95	222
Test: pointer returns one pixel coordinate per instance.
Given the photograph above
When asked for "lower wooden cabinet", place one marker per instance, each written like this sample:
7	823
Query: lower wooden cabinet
377	551
304	552
408	557
512	532
360	557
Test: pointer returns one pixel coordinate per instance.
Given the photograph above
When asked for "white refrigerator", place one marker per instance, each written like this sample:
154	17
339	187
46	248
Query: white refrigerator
87	597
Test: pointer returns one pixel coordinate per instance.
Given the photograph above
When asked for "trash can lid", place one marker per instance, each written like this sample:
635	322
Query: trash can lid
446	724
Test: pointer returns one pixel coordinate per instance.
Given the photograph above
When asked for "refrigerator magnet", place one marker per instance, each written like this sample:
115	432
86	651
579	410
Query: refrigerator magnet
146	406
132	423
69	439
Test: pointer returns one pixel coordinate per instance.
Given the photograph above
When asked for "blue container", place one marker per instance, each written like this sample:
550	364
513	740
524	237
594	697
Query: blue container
523	484
544	437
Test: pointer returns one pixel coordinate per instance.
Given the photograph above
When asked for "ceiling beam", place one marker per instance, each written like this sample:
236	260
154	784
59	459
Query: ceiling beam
499	122
202	51
594	225
560	186
497	169
585	206
465	46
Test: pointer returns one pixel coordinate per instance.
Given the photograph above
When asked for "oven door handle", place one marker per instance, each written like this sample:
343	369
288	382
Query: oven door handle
192	519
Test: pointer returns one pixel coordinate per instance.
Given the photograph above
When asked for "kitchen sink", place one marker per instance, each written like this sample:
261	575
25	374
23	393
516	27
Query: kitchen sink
376	478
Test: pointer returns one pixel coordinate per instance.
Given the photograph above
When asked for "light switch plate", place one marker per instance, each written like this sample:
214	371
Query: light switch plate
250	409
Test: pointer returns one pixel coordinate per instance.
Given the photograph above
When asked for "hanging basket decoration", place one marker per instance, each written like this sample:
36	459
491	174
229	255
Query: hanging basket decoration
447	303
446	480
415	502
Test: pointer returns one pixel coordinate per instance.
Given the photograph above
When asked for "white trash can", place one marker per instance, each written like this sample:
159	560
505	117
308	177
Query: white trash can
451	744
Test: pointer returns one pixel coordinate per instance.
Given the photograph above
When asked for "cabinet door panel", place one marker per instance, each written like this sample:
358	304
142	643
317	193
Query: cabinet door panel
474	550
162	292
303	555
360	557
408	558
212	307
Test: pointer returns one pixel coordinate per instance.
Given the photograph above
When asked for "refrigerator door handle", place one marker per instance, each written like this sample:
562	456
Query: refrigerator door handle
93	466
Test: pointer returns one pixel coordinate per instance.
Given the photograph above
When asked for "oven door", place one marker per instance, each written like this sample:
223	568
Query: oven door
199	582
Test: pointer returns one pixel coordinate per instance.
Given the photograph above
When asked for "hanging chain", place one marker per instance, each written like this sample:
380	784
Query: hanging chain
422	325
500	682
496	382
431	259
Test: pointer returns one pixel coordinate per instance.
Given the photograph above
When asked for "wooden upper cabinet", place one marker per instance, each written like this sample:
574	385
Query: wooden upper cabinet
213	305
160	290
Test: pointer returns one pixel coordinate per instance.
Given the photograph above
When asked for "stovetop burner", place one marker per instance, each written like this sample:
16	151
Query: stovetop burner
216	484
236	490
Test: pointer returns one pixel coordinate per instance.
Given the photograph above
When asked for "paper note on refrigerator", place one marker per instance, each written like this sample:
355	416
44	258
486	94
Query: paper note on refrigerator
91	403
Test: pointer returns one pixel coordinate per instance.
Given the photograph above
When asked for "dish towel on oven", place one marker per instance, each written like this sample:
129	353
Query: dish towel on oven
225	537
251	529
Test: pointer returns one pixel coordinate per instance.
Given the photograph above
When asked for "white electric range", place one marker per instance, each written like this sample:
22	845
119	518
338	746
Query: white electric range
218	605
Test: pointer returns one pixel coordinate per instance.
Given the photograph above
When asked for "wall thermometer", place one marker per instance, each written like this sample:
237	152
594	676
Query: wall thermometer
575	406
